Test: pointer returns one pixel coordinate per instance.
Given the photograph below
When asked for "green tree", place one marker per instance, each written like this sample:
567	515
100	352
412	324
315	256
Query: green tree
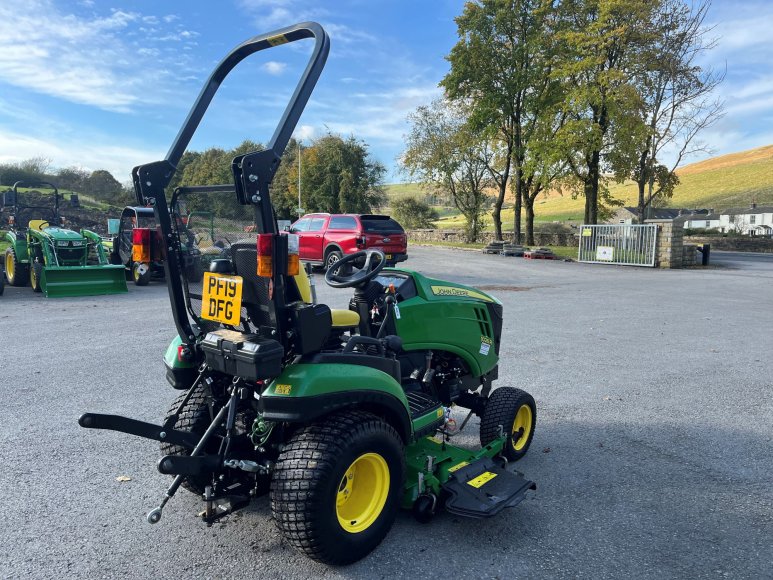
443	151
33	169
102	185
501	66
72	178
338	176
601	45
413	213
285	198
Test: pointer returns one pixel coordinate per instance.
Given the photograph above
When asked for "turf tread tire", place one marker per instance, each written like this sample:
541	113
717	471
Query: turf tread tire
195	417
501	407
313	458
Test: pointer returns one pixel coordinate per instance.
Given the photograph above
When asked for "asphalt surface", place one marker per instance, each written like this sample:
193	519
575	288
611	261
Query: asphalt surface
652	453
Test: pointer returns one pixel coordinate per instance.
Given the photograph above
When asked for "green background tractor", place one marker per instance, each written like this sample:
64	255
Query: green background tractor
342	416
51	258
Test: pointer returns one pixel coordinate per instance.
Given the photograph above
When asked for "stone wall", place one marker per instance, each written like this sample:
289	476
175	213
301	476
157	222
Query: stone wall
457	236
669	250
733	244
690	256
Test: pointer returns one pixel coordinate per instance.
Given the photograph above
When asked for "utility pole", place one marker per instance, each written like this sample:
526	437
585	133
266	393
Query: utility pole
300	209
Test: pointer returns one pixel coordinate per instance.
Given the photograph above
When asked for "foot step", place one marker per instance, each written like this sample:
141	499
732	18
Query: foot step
483	489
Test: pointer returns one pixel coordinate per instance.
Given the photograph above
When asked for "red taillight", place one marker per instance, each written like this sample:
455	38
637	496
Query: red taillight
265	251
141	245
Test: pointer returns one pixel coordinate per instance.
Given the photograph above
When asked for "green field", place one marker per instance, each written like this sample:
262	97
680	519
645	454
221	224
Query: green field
733	180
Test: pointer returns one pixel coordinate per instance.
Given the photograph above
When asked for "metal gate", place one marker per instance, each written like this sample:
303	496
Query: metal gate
626	244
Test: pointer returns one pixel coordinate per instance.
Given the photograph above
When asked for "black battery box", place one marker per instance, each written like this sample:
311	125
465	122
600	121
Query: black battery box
243	355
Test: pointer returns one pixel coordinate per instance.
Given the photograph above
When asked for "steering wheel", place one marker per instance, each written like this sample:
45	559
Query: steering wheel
366	273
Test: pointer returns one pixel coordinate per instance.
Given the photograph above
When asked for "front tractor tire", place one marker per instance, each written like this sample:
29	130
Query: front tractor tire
36	273
141	274
16	273
336	486
515	411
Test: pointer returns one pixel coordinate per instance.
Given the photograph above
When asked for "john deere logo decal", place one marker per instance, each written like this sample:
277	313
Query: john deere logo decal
459	292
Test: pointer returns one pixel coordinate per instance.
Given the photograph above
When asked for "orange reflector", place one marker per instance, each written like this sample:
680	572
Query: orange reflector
293	265
293	260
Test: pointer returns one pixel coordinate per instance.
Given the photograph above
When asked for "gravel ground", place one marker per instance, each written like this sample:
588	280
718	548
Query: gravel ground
652	453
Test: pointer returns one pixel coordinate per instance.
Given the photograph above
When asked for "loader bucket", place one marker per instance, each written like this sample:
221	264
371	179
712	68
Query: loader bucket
83	280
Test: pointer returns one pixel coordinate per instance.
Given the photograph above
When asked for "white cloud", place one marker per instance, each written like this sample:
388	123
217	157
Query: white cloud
275	68
280	13
89	152
378	117
91	60
305	132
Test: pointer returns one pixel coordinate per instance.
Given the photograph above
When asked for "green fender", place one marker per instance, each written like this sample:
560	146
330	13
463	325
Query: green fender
19	244
179	373
307	391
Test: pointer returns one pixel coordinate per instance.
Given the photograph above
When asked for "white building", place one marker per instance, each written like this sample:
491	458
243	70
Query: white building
707	221
751	221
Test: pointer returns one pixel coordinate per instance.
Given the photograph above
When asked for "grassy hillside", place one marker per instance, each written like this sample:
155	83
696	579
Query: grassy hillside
733	180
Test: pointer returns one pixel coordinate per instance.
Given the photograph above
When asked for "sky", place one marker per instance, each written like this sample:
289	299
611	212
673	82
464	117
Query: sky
106	84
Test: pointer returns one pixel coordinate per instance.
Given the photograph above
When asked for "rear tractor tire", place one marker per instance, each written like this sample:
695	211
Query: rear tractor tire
515	411
194	418
337	484
141	274
36	273
16	273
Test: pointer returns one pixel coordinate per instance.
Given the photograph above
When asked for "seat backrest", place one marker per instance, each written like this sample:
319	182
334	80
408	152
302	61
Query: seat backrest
37	224
304	286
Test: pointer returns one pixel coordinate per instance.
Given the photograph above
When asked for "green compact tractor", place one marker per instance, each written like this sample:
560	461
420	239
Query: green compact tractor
342	416
53	259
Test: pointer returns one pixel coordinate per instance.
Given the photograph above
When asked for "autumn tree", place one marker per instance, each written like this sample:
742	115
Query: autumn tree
442	151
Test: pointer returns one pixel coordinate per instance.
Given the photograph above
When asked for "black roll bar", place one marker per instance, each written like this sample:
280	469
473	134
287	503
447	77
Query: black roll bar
253	172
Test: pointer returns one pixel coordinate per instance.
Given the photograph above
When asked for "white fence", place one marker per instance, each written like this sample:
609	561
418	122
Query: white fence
626	244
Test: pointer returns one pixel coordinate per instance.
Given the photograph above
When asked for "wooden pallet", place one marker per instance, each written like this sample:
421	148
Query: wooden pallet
539	256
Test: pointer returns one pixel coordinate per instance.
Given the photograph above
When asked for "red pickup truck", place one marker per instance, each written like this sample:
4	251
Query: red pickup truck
325	238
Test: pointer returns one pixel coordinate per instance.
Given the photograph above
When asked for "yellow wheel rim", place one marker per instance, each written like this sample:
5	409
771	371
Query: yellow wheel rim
522	423
362	493
33	277
10	266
